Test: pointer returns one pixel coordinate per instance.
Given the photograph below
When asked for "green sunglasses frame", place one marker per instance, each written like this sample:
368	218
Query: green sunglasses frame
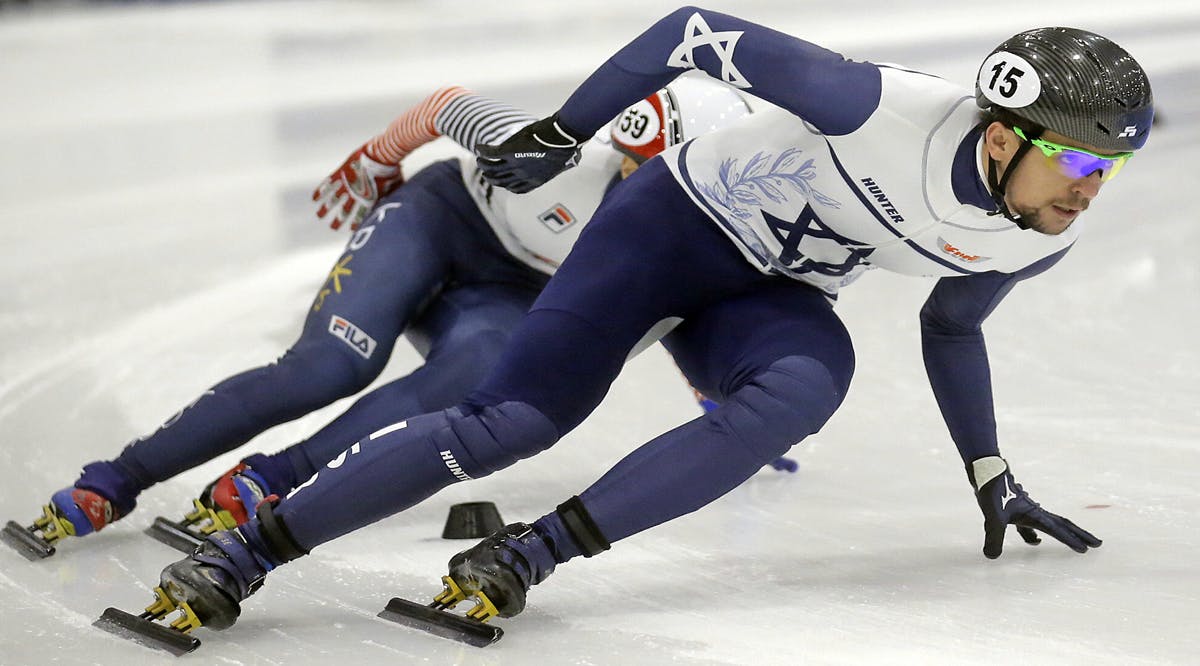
1050	149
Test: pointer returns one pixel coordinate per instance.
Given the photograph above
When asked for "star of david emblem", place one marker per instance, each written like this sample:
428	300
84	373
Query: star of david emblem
697	34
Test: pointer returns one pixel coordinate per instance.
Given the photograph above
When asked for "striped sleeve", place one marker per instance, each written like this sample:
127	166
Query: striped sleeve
413	128
471	120
455	112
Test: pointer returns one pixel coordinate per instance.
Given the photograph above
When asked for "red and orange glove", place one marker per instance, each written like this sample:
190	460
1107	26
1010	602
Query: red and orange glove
373	170
350	192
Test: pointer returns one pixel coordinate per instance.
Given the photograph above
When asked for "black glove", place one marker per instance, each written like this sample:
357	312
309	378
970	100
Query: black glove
1004	502
535	154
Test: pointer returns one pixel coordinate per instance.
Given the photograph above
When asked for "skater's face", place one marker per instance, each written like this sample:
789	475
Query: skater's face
1046	196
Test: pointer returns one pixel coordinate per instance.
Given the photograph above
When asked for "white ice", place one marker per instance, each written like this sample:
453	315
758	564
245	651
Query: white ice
155	161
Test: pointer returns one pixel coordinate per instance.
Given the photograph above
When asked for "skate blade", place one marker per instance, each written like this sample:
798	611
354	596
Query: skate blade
24	541
174	534
145	632
441	623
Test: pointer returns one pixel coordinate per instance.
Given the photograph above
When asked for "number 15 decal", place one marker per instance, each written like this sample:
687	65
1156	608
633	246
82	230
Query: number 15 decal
1009	80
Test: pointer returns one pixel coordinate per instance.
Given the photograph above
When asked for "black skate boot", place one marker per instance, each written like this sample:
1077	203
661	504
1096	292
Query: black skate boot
495	573
498	571
214	580
207	588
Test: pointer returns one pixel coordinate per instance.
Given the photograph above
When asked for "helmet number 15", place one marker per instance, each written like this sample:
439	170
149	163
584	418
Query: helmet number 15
1008	85
1009	80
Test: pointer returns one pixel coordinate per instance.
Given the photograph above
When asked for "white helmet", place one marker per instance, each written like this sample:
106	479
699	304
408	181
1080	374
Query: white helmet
686	108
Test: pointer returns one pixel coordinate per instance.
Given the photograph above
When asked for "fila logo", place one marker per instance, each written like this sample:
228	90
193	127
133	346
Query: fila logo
557	218
957	253
1129	131
453	466
352	335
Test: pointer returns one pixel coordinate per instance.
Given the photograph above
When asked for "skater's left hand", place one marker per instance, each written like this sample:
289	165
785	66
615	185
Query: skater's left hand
348	194
1004	502
536	153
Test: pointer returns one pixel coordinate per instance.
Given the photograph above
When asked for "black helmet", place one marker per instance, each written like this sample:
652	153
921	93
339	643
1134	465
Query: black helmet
1073	82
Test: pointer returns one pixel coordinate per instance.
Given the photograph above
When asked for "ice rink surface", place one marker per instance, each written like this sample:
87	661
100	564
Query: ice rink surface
156	237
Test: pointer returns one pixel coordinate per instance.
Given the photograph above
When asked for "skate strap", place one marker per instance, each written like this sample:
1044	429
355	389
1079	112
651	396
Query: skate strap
582	528
279	539
238	560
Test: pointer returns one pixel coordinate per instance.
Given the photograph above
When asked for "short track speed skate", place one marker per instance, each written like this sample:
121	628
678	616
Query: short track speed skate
36	541
102	495
186	534
496	573
173	637
71	512
204	589
437	618
224	504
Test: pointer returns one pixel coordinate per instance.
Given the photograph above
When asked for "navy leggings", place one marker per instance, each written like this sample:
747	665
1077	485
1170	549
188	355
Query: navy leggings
426	262
771	349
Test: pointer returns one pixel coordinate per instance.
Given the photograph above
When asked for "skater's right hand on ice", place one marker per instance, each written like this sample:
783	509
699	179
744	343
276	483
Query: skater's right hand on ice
348	194
528	159
1004	502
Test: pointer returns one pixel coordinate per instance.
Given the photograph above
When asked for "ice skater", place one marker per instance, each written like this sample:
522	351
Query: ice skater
747	234
446	259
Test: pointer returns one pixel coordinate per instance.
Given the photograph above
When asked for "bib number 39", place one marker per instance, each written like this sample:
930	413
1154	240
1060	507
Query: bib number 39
1009	80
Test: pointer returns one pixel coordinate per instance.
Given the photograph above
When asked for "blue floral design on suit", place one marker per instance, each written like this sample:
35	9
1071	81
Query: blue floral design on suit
745	191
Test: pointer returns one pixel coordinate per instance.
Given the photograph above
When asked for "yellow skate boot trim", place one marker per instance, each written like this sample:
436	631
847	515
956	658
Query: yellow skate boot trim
162	604
199	513
53	526
209	520
221	520
484	609
451	594
187	621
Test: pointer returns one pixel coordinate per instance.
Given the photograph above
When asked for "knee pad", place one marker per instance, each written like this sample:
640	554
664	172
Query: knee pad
780	406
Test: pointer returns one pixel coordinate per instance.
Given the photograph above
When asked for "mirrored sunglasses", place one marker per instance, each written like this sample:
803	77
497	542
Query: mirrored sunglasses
1076	162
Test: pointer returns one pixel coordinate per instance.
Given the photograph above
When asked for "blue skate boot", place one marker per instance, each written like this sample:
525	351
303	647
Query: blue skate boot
103	494
227	502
